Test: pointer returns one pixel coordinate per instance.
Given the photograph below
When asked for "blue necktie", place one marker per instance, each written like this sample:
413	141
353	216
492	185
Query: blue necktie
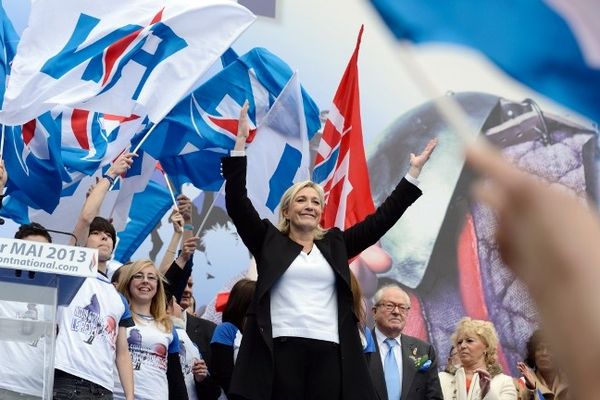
391	371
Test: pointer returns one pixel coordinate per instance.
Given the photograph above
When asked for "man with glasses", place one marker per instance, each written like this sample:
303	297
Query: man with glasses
404	367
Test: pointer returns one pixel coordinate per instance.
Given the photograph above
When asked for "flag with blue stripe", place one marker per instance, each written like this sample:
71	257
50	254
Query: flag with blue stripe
550	46
190	141
147	209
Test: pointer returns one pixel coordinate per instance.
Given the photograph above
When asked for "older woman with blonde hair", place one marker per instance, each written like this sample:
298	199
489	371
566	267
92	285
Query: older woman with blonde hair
480	377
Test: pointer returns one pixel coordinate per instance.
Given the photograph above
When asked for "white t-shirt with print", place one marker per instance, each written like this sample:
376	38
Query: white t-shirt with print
88	329
149	346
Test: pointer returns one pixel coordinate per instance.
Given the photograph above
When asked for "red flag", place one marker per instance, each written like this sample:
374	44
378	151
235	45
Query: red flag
340	165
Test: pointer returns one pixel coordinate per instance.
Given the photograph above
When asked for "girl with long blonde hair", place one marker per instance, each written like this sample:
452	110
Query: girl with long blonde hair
153	341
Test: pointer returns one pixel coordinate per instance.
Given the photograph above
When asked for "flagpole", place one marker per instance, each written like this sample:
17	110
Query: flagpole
2	143
217	194
446	105
171	192
137	147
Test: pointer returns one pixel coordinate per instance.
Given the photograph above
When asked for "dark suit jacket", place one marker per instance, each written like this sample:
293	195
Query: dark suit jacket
274	252
416	385
200	332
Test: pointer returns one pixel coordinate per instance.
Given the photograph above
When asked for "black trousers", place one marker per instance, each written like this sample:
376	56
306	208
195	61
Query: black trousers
306	369
71	387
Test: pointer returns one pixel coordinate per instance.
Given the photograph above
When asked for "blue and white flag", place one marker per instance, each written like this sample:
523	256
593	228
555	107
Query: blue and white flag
31	152
91	140
279	155
201	129
146	210
49	156
115	57
208	118
553	46
33	160
119	205
9	40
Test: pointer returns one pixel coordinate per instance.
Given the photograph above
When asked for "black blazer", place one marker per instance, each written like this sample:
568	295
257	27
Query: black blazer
274	252
200	332
416	385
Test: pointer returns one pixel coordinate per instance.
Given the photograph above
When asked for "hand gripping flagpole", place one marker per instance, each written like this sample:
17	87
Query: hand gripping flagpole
171	191
134	151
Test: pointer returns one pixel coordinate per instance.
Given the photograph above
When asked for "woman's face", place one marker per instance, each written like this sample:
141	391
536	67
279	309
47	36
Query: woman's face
471	349
143	285
543	357
304	211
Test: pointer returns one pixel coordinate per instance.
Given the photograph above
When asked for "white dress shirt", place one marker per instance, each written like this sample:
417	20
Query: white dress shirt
384	348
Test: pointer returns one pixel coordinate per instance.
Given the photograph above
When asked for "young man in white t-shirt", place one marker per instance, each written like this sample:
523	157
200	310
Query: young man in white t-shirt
92	328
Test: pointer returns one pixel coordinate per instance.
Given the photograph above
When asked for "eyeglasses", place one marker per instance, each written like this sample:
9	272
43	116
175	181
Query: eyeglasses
140	277
390	307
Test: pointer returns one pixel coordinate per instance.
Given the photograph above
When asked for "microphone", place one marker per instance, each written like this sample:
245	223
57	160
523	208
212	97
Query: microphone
62	233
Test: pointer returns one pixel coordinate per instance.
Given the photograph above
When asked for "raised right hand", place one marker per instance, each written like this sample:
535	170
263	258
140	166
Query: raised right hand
528	375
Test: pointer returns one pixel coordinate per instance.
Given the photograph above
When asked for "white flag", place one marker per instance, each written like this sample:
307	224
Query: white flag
279	154
138	57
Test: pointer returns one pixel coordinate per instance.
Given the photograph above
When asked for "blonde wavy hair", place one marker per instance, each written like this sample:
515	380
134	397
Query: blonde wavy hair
284	224
158	308
485	331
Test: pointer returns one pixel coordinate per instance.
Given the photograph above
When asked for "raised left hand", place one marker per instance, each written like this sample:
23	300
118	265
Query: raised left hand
418	161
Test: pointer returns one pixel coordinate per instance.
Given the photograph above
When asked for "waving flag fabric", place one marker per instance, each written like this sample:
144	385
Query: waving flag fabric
146	210
117	58
90	140
49	156
32	157
191	140
553	46
9	40
340	165
279	155
207	119
31	152
119	205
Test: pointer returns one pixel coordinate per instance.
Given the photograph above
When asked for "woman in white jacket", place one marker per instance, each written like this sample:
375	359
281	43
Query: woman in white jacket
480	377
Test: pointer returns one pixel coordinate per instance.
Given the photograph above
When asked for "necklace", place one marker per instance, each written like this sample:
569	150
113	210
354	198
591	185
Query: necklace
144	316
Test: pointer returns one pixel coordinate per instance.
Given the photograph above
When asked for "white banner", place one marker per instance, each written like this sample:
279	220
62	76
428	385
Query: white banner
48	257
